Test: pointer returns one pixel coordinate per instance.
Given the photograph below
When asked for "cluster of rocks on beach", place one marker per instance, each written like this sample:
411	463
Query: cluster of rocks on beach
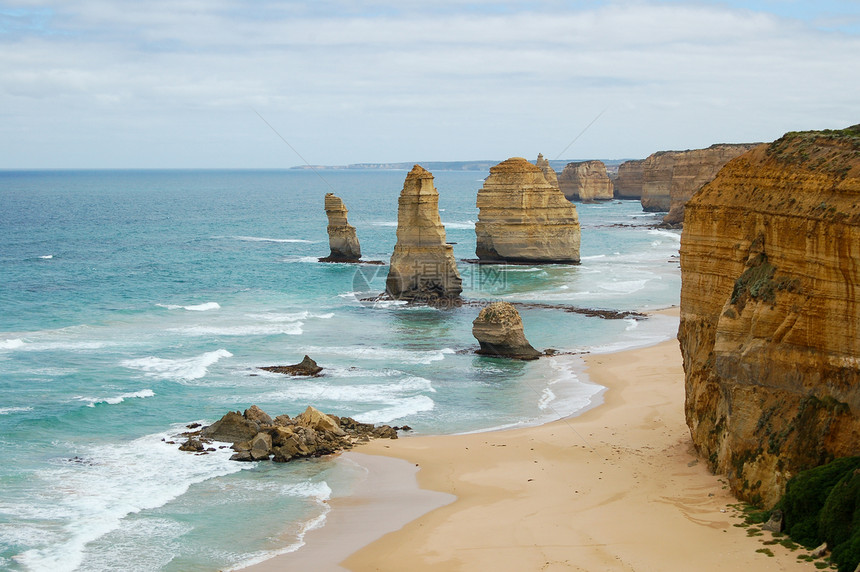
256	436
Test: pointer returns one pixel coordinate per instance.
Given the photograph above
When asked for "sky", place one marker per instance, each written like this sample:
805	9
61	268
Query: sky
274	84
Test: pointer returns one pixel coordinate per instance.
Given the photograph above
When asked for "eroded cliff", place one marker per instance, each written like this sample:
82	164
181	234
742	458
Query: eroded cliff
628	182
770	319
585	181
523	219
670	178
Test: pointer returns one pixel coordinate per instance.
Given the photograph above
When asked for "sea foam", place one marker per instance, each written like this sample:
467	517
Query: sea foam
276	240
383	354
290	329
93	401
665	233
8	410
127	478
12	344
206	306
383	393
182	369
403	408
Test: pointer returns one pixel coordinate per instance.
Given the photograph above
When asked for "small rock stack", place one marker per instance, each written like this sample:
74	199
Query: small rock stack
341	235
499	330
548	172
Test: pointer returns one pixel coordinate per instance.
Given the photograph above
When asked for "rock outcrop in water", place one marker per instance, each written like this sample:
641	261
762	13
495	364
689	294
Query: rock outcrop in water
499	330
342	239
670	178
586	181
548	172
628	182
255	436
306	367
770	317
522	218
422	266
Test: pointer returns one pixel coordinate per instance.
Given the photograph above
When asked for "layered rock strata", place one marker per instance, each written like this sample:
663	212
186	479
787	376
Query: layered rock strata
770	318
423	267
670	178
499	330
548	172
585	181
628	182
522	218
342	239
255	436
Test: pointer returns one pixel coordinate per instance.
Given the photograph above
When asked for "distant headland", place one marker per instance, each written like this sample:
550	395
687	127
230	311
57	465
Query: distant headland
444	165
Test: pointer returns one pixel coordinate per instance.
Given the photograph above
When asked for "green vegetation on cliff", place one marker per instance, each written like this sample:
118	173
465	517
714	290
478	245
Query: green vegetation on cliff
823	505
814	149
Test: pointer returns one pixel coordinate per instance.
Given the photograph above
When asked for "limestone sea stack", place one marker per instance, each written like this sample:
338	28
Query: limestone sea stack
585	181
770	315
670	178
499	330
423	267
522	218
628	182
548	172
342	239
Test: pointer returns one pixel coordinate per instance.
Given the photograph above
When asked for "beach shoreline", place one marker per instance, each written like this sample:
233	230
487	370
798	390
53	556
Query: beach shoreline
615	487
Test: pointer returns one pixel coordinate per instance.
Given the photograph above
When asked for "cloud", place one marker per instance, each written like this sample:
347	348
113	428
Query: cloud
176	83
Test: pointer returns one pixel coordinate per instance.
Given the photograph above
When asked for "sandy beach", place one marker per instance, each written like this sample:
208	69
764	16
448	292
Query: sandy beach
616	488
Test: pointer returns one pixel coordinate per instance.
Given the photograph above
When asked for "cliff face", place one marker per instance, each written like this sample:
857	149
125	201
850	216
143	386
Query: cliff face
523	219
670	178
770	318
548	172
628	183
422	265
585	181
341	235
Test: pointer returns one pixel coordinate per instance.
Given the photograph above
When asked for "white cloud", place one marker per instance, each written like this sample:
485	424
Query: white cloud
109	83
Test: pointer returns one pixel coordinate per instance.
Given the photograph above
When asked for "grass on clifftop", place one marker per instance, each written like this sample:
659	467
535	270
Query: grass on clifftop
833	151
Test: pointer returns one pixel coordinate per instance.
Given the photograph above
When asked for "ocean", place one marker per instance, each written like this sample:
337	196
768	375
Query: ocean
134	303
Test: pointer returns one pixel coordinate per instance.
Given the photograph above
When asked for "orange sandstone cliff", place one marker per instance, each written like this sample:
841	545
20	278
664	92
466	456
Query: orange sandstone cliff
670	178
628	182
770	317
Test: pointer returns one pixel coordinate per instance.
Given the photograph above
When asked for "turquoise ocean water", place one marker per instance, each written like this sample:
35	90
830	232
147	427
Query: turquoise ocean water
135	302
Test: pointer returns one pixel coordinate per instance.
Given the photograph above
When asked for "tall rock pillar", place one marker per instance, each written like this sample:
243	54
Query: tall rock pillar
341	235
423	265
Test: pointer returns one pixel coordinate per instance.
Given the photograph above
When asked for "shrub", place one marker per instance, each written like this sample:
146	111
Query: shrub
839	523
823	504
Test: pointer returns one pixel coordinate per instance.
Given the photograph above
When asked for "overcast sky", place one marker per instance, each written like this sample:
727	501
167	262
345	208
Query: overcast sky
179	83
